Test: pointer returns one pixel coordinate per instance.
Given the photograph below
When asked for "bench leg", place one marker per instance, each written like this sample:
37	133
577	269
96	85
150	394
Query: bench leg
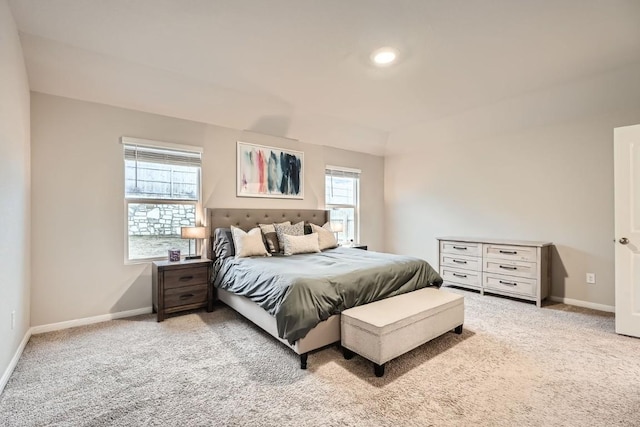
378	369
303	360
348	354
458	329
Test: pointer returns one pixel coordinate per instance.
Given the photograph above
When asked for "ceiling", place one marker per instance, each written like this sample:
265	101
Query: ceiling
300	68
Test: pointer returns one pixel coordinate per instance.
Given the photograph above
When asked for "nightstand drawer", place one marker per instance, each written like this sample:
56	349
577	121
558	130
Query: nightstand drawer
186	295
185	277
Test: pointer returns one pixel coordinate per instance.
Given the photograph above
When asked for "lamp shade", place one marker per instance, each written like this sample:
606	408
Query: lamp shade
337	226
193	232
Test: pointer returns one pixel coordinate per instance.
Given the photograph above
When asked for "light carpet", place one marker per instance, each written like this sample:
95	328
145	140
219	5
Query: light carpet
514	365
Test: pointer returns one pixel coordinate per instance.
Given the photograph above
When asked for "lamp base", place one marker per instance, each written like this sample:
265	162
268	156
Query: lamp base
193	257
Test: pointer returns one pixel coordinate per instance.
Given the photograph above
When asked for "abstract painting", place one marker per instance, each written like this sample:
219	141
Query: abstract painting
269	172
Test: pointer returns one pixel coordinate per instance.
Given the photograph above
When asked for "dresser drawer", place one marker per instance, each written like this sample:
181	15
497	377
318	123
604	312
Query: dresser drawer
511	268
514	253
462	277
510	284
461	248
461	261
186	295
185	277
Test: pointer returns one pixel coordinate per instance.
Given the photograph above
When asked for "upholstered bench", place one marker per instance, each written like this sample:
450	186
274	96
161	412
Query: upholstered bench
385	329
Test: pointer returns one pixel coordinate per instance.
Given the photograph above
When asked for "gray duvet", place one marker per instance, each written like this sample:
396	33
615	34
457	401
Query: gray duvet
300	291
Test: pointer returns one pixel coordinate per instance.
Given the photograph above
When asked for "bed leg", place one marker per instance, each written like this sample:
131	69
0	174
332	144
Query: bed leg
303	360
348	354
458	329
378	369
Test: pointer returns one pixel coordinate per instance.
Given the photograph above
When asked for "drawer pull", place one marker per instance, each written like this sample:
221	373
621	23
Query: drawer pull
508	252
185	278
464	276
186	296
459	262
508	283
462	248
507	267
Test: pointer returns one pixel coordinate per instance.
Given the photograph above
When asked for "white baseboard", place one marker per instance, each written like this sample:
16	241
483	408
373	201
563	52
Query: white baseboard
12	365
585	304
88	320
64	325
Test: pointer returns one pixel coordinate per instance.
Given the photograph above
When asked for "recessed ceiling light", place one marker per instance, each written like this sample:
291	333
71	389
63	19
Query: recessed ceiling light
384	56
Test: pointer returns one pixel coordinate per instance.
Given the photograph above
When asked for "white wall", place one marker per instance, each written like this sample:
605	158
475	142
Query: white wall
538	167
14	190
78	207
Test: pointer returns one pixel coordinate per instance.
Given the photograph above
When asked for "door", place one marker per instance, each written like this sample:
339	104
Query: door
627	229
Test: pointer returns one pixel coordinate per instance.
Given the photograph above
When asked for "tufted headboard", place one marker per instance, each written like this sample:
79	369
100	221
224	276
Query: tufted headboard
249	218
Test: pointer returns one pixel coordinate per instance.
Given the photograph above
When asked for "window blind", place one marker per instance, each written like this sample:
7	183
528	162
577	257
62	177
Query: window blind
342	172
341	185
165	156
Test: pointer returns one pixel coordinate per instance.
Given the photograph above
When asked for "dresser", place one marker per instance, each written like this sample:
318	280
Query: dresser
180	286
515	268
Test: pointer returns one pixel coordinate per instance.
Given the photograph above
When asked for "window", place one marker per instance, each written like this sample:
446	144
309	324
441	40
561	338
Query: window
342	189
162	194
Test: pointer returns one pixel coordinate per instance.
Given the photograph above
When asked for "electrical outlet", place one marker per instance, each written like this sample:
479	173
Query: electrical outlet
591	278
13	319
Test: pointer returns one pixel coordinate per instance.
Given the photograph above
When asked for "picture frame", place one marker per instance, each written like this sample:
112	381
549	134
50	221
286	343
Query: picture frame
174	255
272	172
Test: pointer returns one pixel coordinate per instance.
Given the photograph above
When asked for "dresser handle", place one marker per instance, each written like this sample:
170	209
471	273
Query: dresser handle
464	276
509	252
185	278
459	262
463	248
186	296
506	267
508	283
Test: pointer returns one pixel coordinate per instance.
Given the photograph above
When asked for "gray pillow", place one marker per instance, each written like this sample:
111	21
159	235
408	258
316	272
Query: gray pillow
223	243
291	230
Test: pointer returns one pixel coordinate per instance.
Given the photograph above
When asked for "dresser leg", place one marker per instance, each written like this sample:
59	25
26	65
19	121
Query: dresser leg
303	360
458	329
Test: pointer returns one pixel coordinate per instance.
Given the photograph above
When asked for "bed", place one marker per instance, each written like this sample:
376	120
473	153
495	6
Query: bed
297	299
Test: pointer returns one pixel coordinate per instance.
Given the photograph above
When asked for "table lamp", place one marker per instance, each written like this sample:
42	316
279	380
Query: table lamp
337	227
193	233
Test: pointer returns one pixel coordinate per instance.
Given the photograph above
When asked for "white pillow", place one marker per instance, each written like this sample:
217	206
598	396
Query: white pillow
248	244
292	230
307	243
327	240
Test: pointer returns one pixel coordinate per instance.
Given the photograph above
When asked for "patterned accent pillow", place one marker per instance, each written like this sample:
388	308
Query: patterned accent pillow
270	237
248	243
326	238
305	244
291	230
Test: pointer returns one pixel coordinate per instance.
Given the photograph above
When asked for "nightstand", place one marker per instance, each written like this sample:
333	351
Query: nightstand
179	286
356	246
